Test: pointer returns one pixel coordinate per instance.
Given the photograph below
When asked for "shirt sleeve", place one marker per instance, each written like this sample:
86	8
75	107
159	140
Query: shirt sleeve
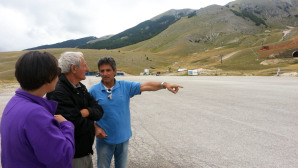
53	143
133	88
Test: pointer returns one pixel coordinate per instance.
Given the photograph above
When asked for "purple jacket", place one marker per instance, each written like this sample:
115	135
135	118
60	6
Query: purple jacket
32	137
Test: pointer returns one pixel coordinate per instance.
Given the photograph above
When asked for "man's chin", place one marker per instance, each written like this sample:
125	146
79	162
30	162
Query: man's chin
107	80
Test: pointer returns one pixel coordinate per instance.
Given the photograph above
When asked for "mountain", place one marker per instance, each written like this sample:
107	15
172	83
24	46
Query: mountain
273	12
236	38
141	32
66	44
218	25
100	39
241	23
176	13
186	31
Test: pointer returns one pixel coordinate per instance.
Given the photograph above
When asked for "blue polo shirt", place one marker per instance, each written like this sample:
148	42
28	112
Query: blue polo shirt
116	117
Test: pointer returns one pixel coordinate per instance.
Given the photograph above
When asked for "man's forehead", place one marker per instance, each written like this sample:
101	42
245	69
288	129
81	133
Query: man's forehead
105	66
83	60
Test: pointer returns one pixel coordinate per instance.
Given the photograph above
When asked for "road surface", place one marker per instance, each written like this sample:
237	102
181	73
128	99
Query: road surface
213	122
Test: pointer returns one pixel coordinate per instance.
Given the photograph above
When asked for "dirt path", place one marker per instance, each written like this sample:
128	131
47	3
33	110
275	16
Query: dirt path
286	32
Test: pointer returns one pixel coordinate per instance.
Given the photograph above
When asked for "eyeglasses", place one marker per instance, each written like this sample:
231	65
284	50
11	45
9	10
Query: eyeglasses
110	96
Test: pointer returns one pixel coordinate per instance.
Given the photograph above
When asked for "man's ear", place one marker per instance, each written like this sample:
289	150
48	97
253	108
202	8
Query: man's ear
115	72
73	68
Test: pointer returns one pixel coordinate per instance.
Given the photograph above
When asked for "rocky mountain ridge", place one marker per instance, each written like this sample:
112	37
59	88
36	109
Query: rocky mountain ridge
217	24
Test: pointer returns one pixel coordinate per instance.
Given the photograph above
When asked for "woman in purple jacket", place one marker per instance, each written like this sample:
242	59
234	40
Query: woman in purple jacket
31	135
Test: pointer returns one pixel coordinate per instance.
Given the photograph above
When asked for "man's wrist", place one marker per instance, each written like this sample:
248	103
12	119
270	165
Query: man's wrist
163	85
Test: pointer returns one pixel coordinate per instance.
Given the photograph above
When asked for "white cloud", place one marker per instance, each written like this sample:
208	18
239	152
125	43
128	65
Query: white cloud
31	23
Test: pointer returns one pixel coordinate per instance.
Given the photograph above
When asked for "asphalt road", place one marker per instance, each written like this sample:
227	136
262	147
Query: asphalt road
214	122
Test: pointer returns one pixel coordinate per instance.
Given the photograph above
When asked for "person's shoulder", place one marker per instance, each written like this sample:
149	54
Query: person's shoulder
34	109
60	88
60	85
124	83
38	116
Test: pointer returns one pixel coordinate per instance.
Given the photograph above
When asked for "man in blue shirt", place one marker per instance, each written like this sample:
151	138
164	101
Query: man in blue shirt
113	130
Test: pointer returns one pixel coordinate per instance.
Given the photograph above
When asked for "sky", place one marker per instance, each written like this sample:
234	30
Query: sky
31	23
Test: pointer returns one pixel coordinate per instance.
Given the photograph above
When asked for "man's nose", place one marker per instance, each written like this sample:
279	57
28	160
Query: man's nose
103	72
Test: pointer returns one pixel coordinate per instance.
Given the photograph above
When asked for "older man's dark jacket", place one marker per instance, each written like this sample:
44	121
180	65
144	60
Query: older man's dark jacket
70	101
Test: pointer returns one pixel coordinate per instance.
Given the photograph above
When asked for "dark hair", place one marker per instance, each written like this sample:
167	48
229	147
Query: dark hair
107	60
34	68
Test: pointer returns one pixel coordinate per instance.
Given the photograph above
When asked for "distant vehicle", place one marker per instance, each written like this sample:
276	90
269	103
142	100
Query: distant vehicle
181	69
192	72
265	48
120	74
157	73
90	73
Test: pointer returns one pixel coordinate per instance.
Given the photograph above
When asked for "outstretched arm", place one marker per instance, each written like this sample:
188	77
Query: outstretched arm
154	86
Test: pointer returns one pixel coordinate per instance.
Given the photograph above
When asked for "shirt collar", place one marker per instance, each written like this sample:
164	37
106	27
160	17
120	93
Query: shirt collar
103	87
75	86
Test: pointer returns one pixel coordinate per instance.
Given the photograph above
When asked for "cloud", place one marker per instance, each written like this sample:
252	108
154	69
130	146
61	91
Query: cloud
12	30
37	23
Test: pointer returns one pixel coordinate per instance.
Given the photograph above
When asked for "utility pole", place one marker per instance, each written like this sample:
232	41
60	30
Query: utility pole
254	53
262	43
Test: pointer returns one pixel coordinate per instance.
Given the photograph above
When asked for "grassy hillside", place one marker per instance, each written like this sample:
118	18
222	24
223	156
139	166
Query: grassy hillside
199	42
127	61
213	27
232	59
240	55
141	32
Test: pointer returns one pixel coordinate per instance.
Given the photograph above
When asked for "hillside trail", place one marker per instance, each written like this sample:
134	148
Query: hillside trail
229	55
286	32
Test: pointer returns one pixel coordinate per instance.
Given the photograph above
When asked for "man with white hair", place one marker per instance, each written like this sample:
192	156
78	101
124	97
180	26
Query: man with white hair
77	105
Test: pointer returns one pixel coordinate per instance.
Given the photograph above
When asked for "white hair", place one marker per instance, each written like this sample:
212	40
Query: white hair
69	58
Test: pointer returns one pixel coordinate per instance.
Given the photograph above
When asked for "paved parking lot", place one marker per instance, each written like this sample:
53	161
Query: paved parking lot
213	122
216	122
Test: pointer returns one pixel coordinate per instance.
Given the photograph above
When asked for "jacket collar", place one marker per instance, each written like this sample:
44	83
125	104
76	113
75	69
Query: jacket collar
47	104
64	80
